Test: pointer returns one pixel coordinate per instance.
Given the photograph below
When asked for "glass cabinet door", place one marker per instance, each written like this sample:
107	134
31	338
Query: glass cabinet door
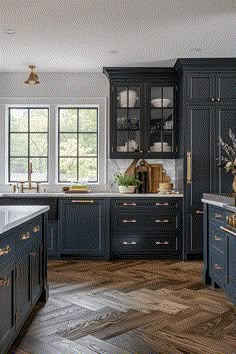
127	118
161	123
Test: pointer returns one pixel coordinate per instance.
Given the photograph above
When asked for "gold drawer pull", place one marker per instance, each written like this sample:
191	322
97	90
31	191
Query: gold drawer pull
162	243
5	250
83	201
125	220
4	282
129	243
162	204
189	167
199	211
33	254
129	204
162	221
25	236
218	216
217	238
36	228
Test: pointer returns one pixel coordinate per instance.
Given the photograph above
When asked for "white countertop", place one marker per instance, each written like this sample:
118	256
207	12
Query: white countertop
12	216
213	202
91	194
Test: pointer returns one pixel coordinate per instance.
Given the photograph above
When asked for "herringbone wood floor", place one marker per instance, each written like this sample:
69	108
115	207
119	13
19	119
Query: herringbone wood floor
130	307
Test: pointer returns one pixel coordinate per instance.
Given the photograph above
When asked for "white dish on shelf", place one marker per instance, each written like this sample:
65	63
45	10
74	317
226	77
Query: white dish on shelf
129	97
122	148
158	102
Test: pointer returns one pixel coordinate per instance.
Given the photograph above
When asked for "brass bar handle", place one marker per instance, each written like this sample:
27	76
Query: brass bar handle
129	204
227	230
218	216
5	250
162	204
4	282
162	221
217	238
132	221
36	228
162	243
26	236
189	167
83	201
129	243
217	267
199	211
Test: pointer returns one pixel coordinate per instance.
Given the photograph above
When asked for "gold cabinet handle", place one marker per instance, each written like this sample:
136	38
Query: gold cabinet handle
83	201
5	250
4	282
162	204
36	228
217	238
162	243
189	167
217	267
129	204
129	243
162	221
199	211
132	221
26	236
218	216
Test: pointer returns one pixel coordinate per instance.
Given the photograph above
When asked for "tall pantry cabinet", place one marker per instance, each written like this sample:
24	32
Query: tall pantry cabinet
207	109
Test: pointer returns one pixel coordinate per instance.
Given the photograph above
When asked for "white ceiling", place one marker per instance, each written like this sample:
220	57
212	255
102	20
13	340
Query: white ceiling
84	35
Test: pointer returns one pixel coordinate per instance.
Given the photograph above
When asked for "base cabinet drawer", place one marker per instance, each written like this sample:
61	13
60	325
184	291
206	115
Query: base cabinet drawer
145	245
217	267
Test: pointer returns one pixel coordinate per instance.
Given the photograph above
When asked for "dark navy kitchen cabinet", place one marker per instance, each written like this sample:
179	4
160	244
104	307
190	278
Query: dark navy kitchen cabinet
146	227
143	119
207	106
52	232
84	227
230	278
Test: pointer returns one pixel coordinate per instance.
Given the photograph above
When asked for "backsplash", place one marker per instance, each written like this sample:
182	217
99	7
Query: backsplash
116	166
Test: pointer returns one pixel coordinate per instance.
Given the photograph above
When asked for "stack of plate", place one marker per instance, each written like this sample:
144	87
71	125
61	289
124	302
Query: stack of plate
158	147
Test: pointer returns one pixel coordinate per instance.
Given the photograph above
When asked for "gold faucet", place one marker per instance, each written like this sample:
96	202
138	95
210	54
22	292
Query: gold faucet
22	188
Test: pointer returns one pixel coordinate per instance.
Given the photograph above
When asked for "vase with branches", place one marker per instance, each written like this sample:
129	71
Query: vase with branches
229	161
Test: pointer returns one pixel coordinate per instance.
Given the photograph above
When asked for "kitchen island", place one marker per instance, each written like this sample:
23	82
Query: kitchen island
220	242
23	267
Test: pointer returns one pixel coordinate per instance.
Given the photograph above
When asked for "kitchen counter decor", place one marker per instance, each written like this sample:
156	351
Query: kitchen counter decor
229	162
126	184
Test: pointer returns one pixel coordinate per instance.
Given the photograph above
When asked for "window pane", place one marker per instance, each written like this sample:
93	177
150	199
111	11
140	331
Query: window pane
18	169
68	169
39	169
19	144
88	169
18	120
38	144
87	120
68	144
87	144
68	120
39	120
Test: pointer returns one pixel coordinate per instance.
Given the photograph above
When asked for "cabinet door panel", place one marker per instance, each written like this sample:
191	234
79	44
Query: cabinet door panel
231	264
7	291
52	239
195	232
199	133
36	269
200	88
226	88
83	227
225	118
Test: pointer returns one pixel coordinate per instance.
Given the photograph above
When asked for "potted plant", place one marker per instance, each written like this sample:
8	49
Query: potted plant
126	184
229	162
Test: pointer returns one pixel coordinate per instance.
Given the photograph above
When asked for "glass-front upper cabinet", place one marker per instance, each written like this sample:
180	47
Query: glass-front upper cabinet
127	122
161	120
142	112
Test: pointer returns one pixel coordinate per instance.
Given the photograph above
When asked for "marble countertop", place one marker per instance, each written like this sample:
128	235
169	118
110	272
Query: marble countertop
12	216
220	200
91	194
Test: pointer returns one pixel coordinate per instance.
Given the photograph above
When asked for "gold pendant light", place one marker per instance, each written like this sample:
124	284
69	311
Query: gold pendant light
33	78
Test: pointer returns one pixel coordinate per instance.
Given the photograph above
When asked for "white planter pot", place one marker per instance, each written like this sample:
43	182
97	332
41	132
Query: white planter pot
128	190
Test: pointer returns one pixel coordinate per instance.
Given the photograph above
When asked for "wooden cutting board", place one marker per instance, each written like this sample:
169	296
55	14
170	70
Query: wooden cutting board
156	176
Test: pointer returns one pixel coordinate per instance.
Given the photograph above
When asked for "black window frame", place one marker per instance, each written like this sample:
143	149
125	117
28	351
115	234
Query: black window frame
28	157
77	133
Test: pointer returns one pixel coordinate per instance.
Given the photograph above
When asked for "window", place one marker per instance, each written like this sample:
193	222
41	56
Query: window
28	141
78	144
